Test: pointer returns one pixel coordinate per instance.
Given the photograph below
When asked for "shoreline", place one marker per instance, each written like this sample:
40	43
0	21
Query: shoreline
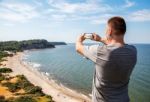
60	93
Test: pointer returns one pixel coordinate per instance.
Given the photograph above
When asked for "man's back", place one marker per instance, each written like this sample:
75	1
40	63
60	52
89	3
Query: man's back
112	73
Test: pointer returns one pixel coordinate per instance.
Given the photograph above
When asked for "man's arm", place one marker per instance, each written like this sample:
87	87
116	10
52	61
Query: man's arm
81	38
90	51
99	39
79	44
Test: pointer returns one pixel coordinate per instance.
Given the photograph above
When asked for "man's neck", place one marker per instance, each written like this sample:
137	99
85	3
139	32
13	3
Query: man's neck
119	41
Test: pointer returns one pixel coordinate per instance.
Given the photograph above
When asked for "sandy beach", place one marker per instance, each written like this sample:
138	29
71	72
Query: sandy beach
59	93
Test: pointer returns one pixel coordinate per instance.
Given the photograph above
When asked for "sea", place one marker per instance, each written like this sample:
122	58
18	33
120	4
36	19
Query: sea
64	65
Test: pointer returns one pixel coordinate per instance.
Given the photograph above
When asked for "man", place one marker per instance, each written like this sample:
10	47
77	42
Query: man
114	62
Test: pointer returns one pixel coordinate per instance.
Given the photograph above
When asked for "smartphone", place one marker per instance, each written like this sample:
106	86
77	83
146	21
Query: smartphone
88	35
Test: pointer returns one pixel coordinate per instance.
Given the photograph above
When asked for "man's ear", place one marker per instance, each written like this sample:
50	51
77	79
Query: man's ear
110	31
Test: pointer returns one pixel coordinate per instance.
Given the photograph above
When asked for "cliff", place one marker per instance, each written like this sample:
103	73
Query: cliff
28	44
35	44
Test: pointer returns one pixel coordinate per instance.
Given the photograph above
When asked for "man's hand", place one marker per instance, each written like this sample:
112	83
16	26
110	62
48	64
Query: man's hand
81	38
99	39
96	37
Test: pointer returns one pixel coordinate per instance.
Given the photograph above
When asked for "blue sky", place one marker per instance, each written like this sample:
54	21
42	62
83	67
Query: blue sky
64	20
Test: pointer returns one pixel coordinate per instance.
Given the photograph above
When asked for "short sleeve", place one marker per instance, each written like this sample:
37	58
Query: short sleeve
90	52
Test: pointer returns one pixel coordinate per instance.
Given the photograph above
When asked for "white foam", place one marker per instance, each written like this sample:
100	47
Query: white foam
90	95
47	74
33	64
36	65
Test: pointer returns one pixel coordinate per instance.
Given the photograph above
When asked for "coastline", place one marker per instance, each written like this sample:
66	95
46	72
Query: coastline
58	92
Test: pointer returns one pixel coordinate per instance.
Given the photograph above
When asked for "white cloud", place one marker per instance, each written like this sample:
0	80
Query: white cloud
101	19
84	7
128	4
137	16
61	10
17	12
93	11
8	24
141	15
58	17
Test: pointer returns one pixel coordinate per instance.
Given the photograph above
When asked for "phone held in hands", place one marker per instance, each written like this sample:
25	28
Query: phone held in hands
88	35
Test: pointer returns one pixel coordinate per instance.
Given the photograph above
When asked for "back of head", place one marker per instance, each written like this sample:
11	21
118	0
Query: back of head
118	25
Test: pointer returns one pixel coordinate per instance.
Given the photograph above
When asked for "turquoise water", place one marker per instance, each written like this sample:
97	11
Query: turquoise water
66	66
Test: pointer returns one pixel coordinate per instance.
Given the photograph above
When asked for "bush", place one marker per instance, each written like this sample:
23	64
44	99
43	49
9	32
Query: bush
28	87
24	99
3	54
2	78
23	82
48	96
21	77
5	70
34	90
2	99
13	87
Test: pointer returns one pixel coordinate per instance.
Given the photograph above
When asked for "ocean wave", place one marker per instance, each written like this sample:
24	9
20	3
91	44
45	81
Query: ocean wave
36	65
47	74
25	57
90	95
33	64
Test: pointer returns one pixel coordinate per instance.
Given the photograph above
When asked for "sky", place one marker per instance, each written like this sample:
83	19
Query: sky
64	20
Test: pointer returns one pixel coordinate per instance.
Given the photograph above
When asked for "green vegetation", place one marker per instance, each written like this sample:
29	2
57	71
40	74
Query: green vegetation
35	90
28	87
27	98
24	99
9	46
5	70
44	99
3	54
16	46
13	87
21	89
2	99
2	77
31	93
23	83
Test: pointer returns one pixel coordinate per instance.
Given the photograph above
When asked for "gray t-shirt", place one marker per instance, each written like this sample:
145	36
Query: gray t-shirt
113	67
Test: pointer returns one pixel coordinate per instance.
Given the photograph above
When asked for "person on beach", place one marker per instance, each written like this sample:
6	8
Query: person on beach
114	61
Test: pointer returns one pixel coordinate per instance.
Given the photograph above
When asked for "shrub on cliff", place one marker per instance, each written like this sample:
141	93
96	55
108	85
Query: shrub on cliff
34	90
13	87
2	98
3	54
2	78
29	87
5	70
24	99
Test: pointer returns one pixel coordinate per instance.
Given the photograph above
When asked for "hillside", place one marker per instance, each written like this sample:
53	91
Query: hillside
27	45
